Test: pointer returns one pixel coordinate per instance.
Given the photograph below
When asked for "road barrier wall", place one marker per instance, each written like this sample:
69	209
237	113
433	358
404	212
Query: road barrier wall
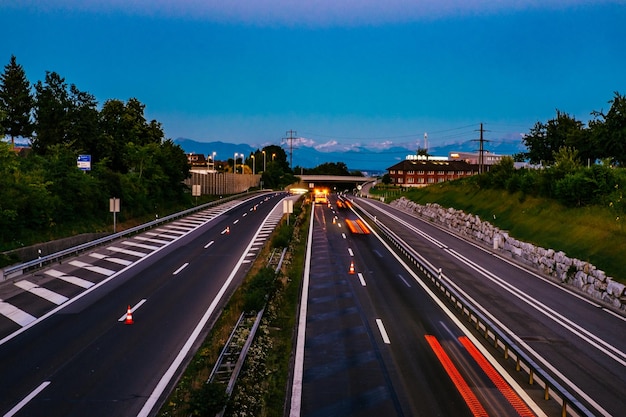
556	264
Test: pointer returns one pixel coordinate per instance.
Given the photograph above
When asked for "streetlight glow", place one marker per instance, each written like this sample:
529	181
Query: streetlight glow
253	165
263	161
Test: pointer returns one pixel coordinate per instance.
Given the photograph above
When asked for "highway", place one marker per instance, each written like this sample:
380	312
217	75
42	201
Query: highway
581	343
66	347
374	342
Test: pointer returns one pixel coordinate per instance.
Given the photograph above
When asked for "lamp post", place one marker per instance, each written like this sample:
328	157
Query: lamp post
263	161
253	165
214	153
273	156
235	163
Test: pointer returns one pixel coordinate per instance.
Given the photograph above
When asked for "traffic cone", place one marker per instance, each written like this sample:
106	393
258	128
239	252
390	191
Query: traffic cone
227	230
129	316
351	270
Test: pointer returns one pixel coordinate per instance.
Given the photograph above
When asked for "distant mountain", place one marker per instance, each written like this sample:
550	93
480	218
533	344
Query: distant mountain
358	158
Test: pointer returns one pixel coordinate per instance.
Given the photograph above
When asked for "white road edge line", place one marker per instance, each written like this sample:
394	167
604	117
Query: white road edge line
183	266
27	399
383	332
298	367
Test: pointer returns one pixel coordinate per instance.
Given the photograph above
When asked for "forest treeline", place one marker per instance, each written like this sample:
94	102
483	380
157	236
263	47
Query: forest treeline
42	187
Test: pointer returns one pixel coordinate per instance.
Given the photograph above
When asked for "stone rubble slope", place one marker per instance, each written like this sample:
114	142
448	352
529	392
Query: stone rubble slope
569	271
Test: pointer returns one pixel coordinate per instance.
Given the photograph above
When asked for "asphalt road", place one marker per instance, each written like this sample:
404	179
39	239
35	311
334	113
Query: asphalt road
581	343
82	359
374	338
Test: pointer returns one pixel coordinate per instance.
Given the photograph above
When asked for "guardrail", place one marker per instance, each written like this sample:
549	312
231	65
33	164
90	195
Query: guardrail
19	269
500	339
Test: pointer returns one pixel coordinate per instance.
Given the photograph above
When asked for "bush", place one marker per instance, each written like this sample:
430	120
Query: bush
208	400
260	288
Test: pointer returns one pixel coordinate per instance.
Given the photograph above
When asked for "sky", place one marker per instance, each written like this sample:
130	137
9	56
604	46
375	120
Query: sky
342	74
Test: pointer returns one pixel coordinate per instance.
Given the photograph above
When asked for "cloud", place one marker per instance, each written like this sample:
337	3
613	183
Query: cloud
301	12
331	144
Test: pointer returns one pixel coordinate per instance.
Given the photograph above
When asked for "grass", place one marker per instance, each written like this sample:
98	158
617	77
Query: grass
593	234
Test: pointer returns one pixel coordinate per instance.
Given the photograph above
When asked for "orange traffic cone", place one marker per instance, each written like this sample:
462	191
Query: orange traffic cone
227	230
129	316
351	270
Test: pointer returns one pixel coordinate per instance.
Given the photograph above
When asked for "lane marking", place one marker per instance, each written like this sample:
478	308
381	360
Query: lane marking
27	399
132	309
459	382
97	269
18	316
127	251
148	239
343	235
69	278
360	275
209	244
350	252
44	293
139	245
383	332
236	221
183	266
404	280
118	261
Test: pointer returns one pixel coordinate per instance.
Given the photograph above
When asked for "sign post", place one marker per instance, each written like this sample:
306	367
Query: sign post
114	207
287	209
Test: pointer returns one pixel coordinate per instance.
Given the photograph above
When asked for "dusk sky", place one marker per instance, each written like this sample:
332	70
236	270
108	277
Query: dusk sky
342	73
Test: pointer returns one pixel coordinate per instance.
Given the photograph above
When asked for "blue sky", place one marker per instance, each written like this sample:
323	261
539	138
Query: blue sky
342	73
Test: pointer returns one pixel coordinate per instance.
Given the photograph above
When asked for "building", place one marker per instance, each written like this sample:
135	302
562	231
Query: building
197	160
474	157
422	172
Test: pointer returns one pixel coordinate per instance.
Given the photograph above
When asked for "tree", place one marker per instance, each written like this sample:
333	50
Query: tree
609	130
16	101
544	140
52	104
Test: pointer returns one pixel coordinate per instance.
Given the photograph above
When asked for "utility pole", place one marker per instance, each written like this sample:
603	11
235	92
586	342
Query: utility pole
291	137
481	149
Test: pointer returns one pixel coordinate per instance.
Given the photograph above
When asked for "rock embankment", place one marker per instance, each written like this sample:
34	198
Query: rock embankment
570	271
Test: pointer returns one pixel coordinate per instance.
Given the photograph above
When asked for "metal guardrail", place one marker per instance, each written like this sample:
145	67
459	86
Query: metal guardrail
500	339
19	269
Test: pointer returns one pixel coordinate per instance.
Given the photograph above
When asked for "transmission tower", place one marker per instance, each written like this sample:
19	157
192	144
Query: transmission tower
481	149
292	134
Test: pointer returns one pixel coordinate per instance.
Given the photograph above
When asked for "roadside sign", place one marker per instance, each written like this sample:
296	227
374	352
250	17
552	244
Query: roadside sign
83	162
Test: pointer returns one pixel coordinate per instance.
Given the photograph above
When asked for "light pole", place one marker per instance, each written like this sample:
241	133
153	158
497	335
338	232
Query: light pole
235	163
273	156
214	153
263	161
253	165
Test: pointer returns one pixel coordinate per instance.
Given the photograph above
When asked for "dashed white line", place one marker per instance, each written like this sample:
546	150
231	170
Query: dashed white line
236	221
350	252
132	310
127	251
383	332
97	269
209	244
183	266
360	275
404	280
118	261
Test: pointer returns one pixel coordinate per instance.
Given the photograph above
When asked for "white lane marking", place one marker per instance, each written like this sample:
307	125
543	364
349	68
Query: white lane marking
177	232
118	261
298	368
139	245
127	251
97	269
183	266
244	214
383	332
209	244
132	309
404	280
18	316
44	293
360	275
27	399
149	239
343	235
236	221
69	278
350	252
377	252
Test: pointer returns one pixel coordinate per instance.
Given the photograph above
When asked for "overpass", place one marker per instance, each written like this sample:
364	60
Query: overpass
331	181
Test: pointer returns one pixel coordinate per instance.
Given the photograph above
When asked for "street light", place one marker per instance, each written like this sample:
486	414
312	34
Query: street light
273	156
235	163
263	161
253	165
